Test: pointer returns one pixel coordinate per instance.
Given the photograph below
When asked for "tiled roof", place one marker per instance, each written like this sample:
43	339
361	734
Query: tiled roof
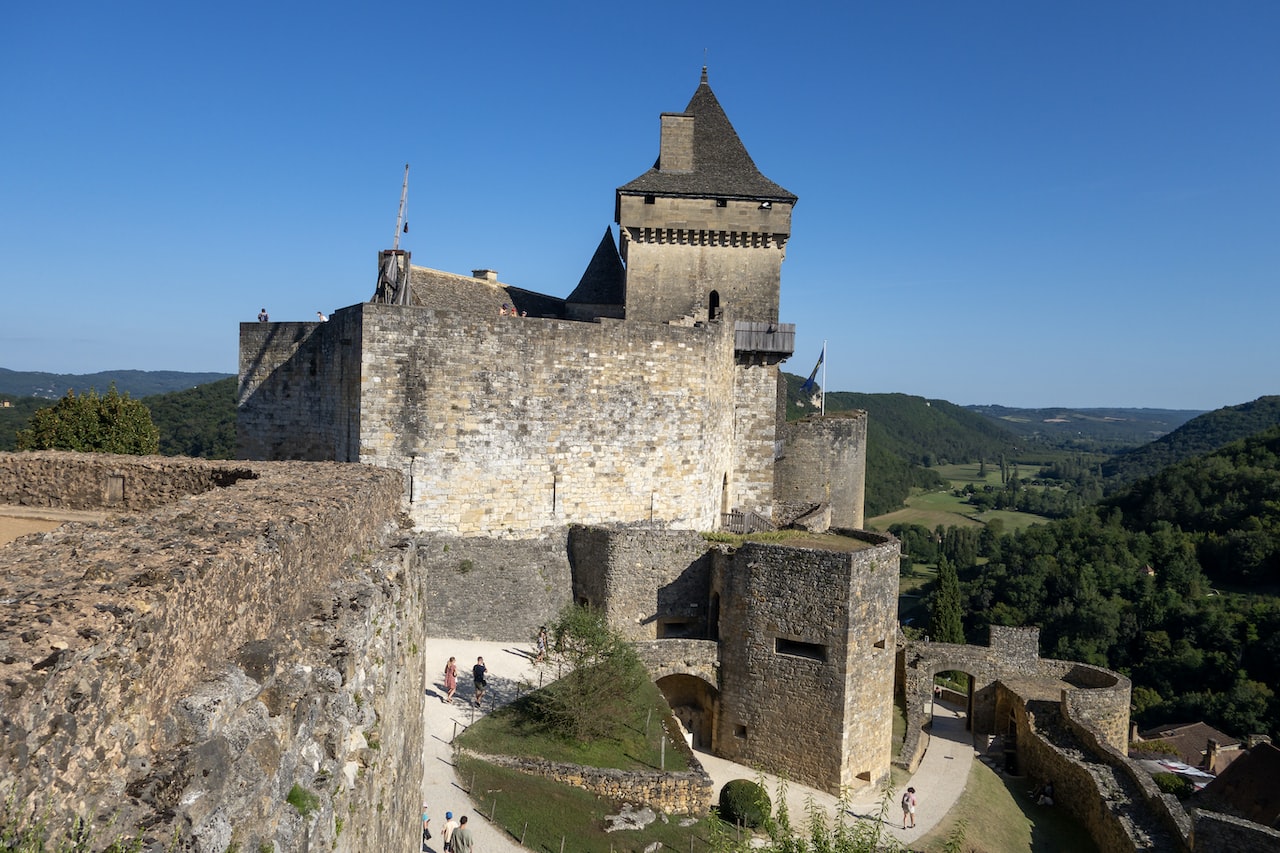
604	281
721	165
1247	787
468	294
1191	740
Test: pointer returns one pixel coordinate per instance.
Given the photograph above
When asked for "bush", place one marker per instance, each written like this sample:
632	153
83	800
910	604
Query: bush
744	802
303	800
1172	783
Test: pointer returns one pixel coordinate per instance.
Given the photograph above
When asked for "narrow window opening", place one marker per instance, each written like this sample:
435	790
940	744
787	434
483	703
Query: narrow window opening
648	199
796	648
881	643
740	731
722	202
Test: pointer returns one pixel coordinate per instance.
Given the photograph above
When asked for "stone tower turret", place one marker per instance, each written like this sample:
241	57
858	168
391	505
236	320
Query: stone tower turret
703	232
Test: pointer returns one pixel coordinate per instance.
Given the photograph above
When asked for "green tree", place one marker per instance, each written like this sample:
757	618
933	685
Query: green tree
603	671
92	423
945	622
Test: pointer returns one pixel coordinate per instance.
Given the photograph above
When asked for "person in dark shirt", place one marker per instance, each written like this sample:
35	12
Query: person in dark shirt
477	676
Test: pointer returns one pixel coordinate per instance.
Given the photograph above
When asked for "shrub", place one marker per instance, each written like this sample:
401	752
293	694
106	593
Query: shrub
302	800
744	802
1172	783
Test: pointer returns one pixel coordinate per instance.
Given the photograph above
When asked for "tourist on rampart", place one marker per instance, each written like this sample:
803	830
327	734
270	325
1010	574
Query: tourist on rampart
450	680
540	645
462	840
478	673
909	808
262	316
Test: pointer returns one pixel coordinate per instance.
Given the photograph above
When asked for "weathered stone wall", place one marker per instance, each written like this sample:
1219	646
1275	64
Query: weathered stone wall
824	461
1217	832
105	481
651	584
188	665
686	792
516	427
755	432
803	681
491	589
298	396
678	250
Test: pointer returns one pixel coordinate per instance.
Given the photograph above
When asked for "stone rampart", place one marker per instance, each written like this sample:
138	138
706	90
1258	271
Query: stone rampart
491	589
824	462
1217	832
103	481
651	584
186	666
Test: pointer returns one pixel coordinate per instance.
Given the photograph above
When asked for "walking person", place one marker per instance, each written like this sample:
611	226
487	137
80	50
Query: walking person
478	673
909	808
426	827
450	827
462	840
541	645
450	680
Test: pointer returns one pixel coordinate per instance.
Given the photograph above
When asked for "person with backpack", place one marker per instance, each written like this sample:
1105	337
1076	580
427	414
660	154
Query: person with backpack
909	808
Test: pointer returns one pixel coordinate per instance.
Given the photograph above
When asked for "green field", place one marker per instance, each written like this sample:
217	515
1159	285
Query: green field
930	509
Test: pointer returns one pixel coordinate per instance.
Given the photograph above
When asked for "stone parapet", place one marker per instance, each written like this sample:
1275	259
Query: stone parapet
1217	832
184	667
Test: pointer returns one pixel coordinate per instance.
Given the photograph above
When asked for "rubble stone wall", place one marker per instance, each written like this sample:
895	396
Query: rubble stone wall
187	666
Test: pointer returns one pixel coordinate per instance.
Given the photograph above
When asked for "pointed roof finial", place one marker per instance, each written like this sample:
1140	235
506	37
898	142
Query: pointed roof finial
704	74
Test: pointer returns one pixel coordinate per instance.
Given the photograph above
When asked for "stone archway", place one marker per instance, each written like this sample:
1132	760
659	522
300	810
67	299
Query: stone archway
694	703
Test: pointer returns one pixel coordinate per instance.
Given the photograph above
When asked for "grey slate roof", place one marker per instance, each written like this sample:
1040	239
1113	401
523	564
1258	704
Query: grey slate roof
721	165
604	281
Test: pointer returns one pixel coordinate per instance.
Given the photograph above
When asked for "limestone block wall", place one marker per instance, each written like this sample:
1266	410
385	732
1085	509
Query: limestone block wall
299	386
80	481
188	665
491	589
517	426
651	584
802	681
825	462
751	485
678	250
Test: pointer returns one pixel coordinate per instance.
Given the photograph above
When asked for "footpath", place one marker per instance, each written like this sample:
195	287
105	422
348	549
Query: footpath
939	781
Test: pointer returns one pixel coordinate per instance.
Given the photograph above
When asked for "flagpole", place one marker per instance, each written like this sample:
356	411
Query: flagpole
824	377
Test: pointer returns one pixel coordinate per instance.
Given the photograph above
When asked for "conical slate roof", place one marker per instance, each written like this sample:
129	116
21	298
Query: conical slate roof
604	282
721	165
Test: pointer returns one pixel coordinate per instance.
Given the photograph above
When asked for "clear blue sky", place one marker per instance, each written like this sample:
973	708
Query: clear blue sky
1026	203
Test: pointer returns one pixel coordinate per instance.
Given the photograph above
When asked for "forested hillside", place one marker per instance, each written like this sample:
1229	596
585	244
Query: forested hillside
1172	582
135	383
1203	434
1099	430
905	434
200	421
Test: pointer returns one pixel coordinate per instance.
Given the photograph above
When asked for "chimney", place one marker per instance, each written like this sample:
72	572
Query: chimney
1210	754
676	154
487	275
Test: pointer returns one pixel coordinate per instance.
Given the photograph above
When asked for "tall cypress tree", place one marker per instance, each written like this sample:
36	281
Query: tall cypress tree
945	623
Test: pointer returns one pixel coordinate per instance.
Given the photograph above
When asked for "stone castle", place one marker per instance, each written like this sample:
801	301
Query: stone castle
652	393
236	629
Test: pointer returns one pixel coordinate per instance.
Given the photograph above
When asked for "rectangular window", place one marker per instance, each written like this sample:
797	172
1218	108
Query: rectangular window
795	648
722	202
648	199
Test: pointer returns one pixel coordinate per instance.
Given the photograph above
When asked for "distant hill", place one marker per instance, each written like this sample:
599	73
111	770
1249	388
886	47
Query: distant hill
137	383
906	433
1096	430
199	421
1201	435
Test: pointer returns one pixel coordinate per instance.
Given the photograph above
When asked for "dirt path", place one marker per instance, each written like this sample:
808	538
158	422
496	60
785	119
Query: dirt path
18	521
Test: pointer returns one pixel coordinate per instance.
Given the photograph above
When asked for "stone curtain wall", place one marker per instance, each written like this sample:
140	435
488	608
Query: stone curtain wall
491	589
298	396
825	462
515	426
815	708
82	481
650	583
187	666
1218	832
755	431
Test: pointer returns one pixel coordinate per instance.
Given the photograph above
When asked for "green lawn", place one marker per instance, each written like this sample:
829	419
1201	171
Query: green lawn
999	817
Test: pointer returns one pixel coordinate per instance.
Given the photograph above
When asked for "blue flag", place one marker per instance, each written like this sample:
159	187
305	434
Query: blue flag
809	384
